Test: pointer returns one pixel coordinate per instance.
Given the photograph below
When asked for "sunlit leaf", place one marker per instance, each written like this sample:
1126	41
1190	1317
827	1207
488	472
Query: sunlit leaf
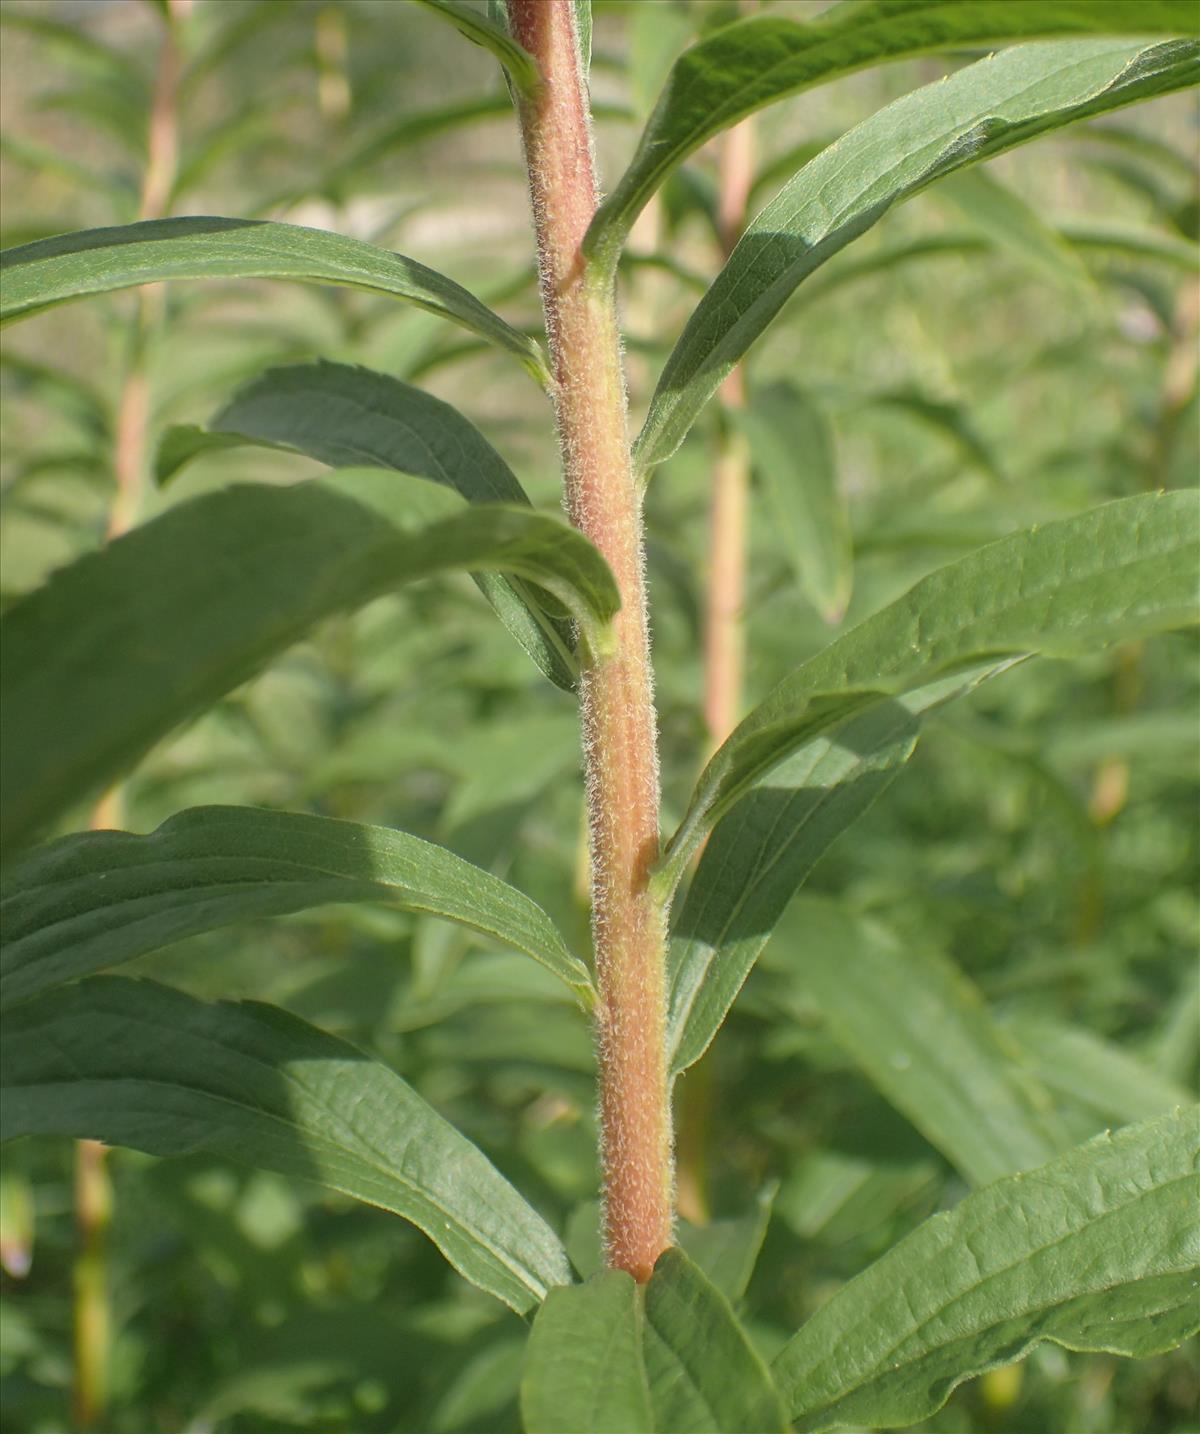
93	900
1098	1250
1123	570
482	30
978	112
704	1373
583	1364
764	58
96	261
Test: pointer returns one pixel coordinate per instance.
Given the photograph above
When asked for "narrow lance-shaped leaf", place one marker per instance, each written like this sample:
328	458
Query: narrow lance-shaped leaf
96	899
921	1032
1013	225
1099	1250
583	1366
96	261
763	850
1124	570
166	620
704	1373
792	449
133	1063
764	58
1088	238
350	417
483	30
1097	1073
982	110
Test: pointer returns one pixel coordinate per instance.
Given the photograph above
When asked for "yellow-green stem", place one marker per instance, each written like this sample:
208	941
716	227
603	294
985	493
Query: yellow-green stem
93	1192
93	1215
617	704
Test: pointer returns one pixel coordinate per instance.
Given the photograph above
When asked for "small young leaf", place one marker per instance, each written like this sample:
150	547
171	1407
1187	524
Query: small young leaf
133	1063
704	1373
982	110
347	417
1099	1250
96	261
583	1363
159	625
93	900
1124	570
764	58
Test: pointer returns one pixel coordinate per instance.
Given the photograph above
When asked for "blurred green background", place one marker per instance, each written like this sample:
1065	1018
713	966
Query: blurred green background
1044	838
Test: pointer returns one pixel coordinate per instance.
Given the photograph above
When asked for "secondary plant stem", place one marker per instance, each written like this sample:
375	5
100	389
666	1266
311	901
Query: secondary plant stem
620	750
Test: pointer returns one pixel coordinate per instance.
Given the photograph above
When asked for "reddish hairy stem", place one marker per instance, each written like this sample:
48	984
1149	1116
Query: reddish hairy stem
616	687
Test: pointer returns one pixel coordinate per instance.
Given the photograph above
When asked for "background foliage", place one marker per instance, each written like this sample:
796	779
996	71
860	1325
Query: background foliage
1011	347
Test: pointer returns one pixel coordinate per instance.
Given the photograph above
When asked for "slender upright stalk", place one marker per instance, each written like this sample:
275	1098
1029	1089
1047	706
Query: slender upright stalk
93	1183
724	627
617	703
724	639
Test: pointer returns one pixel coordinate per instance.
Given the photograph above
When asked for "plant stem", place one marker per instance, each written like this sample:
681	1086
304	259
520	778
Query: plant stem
724	630
92	1314
620	754
93	1185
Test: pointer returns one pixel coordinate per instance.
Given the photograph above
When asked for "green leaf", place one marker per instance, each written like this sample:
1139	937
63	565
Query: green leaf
97	261
350	417
133	1063
791	446
95	899
982	110
950	419
704	1374
764	58
726	1250
583	34
1086	236
1012	224
160	624
477	27
1096	1073
1123	570
921	1032
583	1364
1095	1251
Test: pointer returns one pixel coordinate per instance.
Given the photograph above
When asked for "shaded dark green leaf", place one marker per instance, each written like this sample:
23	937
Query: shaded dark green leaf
133	1063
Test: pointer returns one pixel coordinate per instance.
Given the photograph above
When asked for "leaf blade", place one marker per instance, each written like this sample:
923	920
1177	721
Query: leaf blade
982	110
242	573
1093	1252
583	1367
484	31
90	901
95	261
1124	569
764	58
703	1372
137	1064
348	416
791	445
919	1029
